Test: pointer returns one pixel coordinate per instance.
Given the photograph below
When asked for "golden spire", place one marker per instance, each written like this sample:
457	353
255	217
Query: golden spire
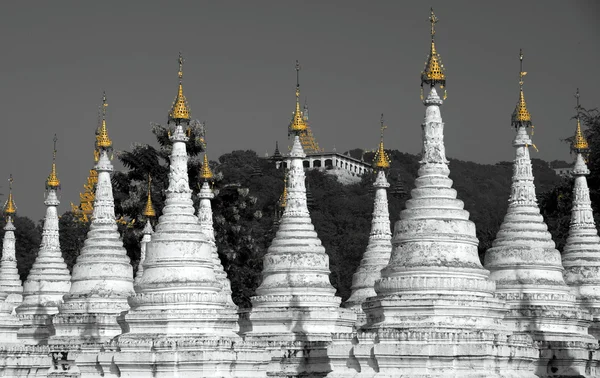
53	182
86	199
205	172
9	207
180	111
580	144
298	124
434	69
149	209
283	198
102	139
381	160
521	116
307	139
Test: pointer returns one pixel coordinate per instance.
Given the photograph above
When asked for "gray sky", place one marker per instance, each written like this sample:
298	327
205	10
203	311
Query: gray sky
359	59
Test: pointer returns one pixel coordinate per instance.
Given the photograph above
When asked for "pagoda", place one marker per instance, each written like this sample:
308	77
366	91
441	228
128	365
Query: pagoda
379	248
102	278
179	303
11	348
49	279
435	313
205	216
307	139
10	282
581	254
84	210
295	307
528	272
147	232
398	190
277	156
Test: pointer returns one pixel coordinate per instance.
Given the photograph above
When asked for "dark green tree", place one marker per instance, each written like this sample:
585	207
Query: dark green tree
243	208
72	233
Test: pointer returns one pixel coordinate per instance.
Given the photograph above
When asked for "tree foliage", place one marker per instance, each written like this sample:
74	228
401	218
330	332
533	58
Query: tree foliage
72	235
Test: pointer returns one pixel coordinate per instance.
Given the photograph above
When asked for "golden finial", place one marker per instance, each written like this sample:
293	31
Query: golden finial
149	209
53	182
283	198
434	69
180	111
205	171
381	160
580	144
102	139
521	116
9	207
298	124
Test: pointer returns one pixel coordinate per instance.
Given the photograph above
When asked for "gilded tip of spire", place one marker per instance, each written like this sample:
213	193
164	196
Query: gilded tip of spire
521	116
180	111
9	207
298	123
381	160
102	139
53	181
205	171
149	208
434	72
580	143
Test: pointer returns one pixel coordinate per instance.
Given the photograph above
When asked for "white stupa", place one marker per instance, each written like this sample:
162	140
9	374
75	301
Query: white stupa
49	279
528	272
379	248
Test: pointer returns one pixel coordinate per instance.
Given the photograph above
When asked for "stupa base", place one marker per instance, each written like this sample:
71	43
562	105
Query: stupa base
565	358
78	329
288	324
36	328
183	322
389	353
9	324
431	311
185	357
24	361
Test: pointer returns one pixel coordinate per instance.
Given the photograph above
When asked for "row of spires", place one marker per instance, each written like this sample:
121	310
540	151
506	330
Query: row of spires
45	290
432	75
296	208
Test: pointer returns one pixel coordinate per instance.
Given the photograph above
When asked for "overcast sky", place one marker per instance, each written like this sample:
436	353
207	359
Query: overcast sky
358	58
